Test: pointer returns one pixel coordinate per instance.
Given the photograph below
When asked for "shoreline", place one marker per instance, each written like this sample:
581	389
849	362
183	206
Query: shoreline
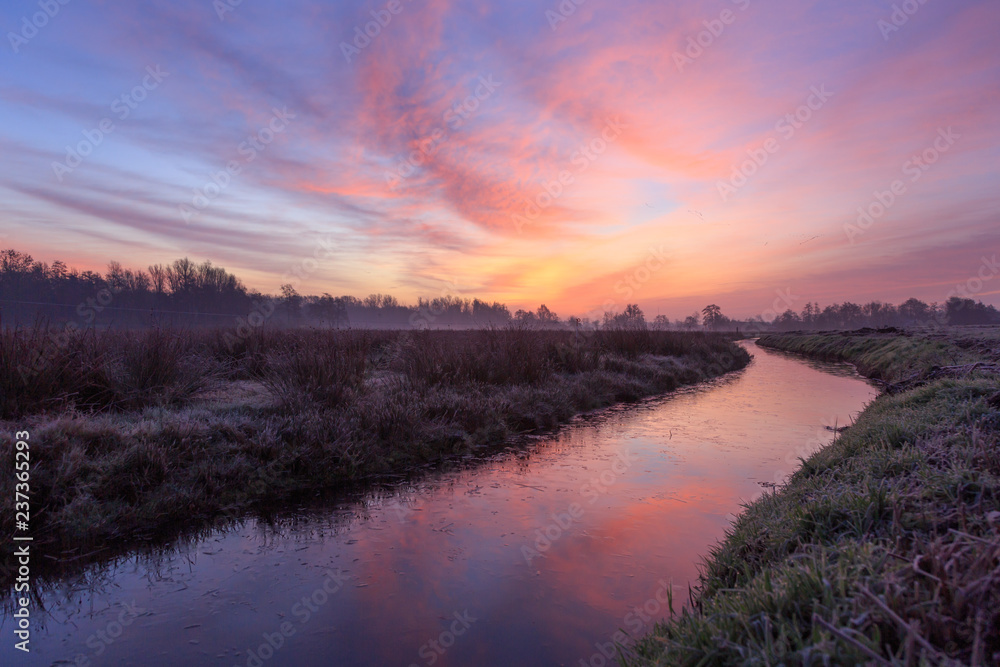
862	555
113	480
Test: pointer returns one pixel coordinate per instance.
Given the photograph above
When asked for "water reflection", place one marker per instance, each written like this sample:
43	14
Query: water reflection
533	558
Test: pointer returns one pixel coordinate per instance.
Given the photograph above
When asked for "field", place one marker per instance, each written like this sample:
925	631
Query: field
138	434
885	547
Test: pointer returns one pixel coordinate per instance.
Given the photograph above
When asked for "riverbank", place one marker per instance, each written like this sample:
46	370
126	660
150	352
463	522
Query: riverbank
884	547
136	435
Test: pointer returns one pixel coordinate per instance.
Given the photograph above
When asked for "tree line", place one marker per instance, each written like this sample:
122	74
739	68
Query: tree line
912	312
185	293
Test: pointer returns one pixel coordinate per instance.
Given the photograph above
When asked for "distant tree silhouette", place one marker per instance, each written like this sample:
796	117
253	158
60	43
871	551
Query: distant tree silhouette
912	311
291	303
788	321
546	317
712	317
526	318
187	293
967	311
809	314
631	318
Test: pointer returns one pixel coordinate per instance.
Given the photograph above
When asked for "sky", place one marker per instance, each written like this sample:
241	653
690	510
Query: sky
756	155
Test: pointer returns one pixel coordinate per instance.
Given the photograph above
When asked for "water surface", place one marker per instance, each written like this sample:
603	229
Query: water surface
535	557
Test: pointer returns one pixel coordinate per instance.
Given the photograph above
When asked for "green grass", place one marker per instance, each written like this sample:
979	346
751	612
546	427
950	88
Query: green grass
139	435
884	547
886	357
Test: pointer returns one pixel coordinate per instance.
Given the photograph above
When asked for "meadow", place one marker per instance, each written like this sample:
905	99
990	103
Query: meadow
137	434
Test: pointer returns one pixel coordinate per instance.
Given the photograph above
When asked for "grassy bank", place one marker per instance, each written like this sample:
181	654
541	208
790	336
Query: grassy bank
895	356
136	433
885	547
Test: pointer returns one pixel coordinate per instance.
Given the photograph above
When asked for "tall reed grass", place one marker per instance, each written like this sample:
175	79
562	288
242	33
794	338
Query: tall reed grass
125	370
143	432
42	371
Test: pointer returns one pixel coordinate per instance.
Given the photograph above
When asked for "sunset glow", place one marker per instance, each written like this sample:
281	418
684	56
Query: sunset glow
580	154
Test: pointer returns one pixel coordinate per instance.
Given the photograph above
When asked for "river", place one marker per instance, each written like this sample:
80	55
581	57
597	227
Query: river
537	556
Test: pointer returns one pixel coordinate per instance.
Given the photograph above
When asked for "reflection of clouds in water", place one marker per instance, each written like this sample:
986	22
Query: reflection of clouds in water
419	550
836	368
